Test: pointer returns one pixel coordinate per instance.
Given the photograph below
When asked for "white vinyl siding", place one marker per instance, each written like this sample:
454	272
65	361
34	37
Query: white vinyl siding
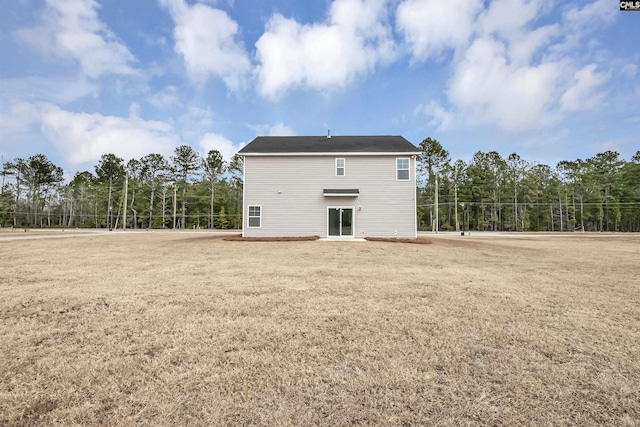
340	167
254	217
294	204
402	169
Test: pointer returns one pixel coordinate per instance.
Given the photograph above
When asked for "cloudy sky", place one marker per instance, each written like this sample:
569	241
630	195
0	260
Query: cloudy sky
550	80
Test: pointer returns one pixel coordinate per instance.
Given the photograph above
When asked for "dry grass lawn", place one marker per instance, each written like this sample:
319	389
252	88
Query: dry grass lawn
188	329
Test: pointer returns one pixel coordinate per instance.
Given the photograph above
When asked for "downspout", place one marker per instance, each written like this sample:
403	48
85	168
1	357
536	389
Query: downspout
415	198
244	186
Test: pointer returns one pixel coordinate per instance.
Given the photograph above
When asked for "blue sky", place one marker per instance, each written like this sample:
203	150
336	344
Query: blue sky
550	80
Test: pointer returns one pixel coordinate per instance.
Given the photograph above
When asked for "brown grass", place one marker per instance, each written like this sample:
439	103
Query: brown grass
35	232
165	329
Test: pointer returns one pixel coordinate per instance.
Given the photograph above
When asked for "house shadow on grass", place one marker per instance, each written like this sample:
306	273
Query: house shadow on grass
418	240
239	238
212	236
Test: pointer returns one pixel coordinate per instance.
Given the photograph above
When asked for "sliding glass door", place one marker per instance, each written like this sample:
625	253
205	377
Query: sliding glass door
340	222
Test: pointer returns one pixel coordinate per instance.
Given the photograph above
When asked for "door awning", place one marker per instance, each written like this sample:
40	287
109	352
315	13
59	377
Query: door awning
341	192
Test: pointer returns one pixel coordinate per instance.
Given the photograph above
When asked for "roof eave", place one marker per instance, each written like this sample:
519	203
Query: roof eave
337	153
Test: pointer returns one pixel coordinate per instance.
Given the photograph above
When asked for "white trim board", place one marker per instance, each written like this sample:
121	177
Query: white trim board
335	154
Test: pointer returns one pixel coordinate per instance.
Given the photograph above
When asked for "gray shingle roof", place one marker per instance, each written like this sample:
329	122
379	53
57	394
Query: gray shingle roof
322	144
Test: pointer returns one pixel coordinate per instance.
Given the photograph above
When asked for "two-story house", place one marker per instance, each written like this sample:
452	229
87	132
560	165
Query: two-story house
335	187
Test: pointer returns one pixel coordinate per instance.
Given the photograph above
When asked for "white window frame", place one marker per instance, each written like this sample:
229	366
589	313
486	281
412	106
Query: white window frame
408	169
344	166
249	216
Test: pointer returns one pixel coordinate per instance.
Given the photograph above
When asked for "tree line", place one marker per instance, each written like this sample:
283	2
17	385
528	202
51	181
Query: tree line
187	190
493	193
184	191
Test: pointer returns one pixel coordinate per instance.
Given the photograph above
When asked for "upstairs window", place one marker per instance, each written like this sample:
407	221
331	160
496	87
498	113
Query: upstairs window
255	216
402	169
340	169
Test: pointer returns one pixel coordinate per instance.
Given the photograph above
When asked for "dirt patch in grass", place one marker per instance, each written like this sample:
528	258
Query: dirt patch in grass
271	239
418	240
158	329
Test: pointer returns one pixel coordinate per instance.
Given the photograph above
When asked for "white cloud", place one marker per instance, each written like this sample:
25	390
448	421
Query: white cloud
486	88
431	26
519	75
206	39
591	14
326	55
43	89
213	141
229	3
546	139
508	17
629	70
82	137
583	94
609	145
71	30
440	117
510	21
18	120
18	126
165	98
524	45
134	110
277	129
280	129
578	22
194	122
